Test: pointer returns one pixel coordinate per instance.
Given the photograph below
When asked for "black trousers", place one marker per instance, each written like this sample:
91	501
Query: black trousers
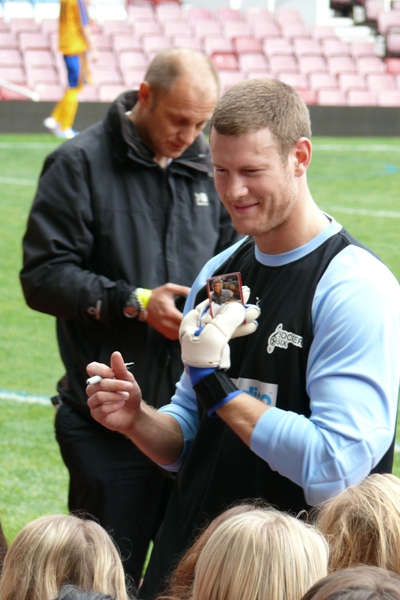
114	483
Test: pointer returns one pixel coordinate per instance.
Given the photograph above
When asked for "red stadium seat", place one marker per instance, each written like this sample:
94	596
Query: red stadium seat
392	65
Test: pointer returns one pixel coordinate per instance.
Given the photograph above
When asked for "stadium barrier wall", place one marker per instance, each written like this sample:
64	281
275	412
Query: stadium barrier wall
369	121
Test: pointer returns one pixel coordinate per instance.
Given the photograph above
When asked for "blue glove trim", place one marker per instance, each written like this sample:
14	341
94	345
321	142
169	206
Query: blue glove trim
198	373
224	401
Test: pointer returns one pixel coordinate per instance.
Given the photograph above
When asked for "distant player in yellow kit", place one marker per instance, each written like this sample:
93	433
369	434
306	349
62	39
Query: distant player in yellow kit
75	40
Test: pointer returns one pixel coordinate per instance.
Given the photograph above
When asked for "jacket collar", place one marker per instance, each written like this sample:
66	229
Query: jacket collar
126	142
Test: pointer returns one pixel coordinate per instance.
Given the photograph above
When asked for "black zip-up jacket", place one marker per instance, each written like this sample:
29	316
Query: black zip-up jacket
106	219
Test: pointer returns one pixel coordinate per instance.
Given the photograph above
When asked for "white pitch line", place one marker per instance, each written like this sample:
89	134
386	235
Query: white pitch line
356	148
12	181
22	397
385	214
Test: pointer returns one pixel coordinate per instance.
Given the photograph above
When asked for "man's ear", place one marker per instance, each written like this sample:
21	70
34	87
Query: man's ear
144	94
302	154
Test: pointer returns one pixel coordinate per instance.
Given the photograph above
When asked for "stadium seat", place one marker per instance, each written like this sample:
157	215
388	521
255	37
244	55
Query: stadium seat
294	30
307	47
232	29
380	81
10	57
331	98
132	59
335	48
8	39
106	59
387	19
42	75
242	45
323	32
266	29
49	92
113	26
181	27
200	13
312	64
283	63
351	81
146	27
277	45
362	48
225	61
206	27
102	41
38	58
181	41
323	81
154	43
360	98
372	9
138	12
133	77
288	15
107	92
255	61
13	74
254	14
309	96
392	65
111	76
392	41
17	25
88	94
31	41
388	98
296	80
225	14
341	64
370	64
169	12
217	44
229	78
49	25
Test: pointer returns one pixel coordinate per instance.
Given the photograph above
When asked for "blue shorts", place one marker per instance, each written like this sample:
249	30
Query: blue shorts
74	67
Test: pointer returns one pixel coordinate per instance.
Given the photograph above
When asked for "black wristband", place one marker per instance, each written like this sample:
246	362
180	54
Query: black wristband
213	388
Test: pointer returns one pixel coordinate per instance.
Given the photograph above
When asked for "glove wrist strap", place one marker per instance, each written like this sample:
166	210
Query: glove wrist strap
215	390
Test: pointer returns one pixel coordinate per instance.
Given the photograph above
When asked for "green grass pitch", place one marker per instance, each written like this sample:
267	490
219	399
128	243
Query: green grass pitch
356	180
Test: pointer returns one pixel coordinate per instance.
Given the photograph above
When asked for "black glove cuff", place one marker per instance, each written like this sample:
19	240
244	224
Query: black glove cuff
213	389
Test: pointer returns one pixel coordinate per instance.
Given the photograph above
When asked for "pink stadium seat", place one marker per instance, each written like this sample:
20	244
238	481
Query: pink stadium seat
13	74
312	64
232	29
341	64
296	80
288	15
309	96
8	39
372	10
242	45
392	65
3	25
112	26
49	92
323	32
169	12
200	13
107	59
229	78
252	62
180	27
351	81
259	75
49	25
255	14
23	24
335	48
266	29
278	45
279	63
225	61
133	78
107	92
138	12
206	28
307	47
331	98
89	94
32	41
370	64
392	41
10	57
38	58
181	41
154	43
102	41
362	48
217	44
360	98
146	27
388	98
225	14
125	42
388	19
132	59
380	81
294	30
323	81
42	75
100	76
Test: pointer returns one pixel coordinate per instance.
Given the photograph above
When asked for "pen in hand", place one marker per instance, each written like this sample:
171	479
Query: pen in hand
98	378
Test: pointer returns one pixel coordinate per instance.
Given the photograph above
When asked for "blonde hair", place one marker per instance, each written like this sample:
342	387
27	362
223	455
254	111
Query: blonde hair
260	554
57	549
362	524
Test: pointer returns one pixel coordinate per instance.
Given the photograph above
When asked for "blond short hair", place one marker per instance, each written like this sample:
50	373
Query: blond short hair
256	104
362	524
260	554
57	549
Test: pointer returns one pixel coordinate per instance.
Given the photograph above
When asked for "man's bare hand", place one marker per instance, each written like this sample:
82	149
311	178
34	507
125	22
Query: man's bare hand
162	312
115	400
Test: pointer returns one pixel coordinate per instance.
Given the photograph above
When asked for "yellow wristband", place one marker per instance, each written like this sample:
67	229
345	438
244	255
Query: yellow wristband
143	296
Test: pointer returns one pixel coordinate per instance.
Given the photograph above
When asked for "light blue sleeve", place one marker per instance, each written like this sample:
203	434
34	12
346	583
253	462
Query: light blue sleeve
352	379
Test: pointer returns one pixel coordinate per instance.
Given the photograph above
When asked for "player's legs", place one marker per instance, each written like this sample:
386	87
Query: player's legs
63	116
